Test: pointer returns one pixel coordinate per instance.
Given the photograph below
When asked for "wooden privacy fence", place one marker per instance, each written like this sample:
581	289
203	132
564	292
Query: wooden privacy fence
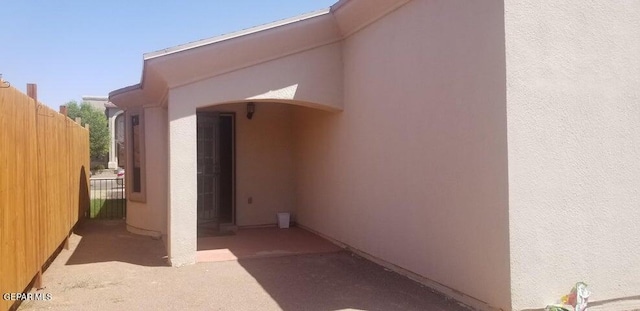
44	186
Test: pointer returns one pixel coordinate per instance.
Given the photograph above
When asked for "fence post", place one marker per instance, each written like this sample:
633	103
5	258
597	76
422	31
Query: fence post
63	111
32	91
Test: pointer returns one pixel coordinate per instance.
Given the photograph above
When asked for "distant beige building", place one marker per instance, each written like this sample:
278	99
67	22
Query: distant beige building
115	122
489	148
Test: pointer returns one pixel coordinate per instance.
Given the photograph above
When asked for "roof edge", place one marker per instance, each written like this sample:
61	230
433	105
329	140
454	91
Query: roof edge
235	34
124	90
336	6
94	97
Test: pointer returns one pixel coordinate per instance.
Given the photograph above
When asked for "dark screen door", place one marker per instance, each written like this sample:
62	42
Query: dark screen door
215	167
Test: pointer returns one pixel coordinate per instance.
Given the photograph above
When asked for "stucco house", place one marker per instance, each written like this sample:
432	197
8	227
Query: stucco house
489	149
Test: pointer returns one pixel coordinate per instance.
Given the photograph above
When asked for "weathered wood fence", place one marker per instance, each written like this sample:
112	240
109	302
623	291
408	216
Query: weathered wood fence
44	186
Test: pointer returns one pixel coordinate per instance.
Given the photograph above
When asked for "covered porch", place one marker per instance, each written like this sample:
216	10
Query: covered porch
247	166
244	171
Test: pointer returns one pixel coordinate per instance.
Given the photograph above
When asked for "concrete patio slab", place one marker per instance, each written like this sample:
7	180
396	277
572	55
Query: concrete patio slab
262	242
107	268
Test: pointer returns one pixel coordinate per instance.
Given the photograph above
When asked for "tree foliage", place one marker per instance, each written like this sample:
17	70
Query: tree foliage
99	136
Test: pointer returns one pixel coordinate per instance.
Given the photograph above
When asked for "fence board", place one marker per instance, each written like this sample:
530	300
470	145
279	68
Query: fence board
44	160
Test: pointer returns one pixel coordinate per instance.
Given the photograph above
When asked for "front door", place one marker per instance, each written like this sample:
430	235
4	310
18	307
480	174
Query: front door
215	134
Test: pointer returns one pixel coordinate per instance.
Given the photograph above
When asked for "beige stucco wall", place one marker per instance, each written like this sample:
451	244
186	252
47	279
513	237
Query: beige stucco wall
263	162
488	146
414	170
183	199
573	81
311	76
149	217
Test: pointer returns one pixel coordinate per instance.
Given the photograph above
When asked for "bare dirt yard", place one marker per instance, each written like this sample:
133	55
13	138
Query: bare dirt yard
107	268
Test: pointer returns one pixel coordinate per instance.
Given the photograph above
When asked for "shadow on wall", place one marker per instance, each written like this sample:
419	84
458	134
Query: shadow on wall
109	240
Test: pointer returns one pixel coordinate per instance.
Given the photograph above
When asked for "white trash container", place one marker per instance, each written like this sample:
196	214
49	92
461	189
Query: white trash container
283	220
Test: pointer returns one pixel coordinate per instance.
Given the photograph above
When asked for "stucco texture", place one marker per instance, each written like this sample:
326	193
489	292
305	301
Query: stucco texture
183	199
307	77
414	170
573	94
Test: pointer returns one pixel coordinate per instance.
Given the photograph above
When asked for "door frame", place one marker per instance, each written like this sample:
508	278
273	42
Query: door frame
233	165
232	115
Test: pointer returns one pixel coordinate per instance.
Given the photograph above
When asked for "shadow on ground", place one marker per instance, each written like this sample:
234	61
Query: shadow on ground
108	240
108	268
338	281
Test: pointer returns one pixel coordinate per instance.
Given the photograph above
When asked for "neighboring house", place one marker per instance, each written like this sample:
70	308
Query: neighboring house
488	148
115	122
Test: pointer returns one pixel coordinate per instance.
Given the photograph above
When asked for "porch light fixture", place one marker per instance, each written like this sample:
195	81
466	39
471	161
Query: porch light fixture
251	108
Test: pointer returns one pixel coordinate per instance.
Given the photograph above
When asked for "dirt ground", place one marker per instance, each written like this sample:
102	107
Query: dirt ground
107	268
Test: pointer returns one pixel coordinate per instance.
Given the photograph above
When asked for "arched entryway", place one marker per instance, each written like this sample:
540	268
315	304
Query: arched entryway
245	163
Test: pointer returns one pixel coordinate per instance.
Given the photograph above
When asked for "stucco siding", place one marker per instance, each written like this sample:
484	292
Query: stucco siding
311	76
414	170
156	166
183	199
573	81
149	216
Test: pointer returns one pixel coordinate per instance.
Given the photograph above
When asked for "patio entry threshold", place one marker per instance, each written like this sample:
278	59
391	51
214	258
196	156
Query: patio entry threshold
260	243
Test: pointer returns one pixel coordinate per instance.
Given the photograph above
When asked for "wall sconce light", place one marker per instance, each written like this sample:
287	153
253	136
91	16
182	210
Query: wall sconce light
251	109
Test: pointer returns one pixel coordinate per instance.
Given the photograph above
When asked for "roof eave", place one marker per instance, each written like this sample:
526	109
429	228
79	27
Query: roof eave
154	84
119	97
236	34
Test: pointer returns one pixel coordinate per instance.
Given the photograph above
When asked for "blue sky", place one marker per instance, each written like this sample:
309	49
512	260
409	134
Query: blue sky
76	48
